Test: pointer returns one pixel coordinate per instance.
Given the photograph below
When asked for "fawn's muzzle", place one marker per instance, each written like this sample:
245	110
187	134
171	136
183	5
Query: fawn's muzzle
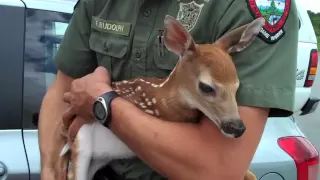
234	128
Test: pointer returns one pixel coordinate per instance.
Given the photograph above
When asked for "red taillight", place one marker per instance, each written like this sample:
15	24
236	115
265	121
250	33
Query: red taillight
312	69
304	154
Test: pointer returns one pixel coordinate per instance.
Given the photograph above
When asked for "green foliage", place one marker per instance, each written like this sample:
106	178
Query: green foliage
272	10
315	19
273	6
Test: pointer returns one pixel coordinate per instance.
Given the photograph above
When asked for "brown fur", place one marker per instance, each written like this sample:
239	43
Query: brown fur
219	62
167	102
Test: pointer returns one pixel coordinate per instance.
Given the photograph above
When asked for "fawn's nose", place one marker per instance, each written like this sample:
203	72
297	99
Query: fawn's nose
233	128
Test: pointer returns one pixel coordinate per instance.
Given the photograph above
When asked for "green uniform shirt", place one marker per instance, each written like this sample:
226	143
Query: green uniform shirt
122	35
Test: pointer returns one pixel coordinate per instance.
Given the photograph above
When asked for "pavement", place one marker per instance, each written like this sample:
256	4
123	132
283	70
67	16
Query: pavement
310	124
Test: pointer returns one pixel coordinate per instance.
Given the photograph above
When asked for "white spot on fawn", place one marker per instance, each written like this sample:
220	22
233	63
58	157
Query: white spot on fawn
157	112
143	94
148	111
149	103
154	101
124	82
141	104
138	88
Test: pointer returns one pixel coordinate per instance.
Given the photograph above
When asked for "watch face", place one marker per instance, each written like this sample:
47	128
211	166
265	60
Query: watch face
100	111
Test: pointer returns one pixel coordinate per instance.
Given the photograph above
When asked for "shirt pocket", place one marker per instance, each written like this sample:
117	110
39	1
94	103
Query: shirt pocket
164	62
109	49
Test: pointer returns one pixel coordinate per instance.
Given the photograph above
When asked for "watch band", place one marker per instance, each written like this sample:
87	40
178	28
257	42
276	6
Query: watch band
108	97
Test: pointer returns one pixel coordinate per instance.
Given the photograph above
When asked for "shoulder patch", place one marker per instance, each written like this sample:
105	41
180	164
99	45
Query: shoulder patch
189	13
275	12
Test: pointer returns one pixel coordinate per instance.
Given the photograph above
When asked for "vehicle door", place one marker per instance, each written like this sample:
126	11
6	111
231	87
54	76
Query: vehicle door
13	161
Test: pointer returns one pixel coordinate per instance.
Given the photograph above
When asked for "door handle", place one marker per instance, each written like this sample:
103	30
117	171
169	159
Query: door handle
3	170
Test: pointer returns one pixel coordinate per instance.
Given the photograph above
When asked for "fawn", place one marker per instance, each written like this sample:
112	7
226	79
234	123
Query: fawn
203	82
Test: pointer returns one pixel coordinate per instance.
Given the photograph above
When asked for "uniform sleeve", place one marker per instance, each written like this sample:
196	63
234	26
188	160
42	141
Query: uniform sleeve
267	67
74	56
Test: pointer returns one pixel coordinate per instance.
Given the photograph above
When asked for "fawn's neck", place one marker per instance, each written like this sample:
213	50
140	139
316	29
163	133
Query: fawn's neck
158	97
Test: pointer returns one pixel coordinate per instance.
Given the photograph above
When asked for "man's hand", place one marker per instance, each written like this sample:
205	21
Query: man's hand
82	95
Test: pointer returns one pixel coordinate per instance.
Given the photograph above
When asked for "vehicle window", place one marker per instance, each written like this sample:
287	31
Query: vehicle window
44	32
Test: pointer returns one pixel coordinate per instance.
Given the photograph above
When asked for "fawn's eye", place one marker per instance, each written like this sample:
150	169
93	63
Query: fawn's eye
205	88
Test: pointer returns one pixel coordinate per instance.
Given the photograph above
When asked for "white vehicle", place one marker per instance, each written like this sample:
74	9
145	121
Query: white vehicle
307	63
30	33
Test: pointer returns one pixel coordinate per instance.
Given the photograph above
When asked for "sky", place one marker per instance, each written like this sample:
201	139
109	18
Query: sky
313	5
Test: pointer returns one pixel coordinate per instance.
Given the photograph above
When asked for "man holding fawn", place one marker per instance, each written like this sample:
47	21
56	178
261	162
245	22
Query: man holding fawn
125	37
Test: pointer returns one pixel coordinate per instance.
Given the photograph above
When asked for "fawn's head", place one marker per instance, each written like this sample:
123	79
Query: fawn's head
206	74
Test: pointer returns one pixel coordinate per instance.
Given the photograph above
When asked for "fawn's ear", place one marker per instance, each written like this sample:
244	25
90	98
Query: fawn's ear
241	37
176	38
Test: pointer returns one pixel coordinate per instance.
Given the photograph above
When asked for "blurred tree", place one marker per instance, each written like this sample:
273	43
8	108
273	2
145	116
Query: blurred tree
315	19
273	5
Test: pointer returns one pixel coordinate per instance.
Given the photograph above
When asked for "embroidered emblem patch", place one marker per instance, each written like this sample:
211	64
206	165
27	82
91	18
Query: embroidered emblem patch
275	12
189	13
114	27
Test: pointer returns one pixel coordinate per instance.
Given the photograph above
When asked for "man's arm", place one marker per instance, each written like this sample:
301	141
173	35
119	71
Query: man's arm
188	151
50	122
74	59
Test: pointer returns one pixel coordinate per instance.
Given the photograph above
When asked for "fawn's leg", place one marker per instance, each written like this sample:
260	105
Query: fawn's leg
250	176
82	152
62	167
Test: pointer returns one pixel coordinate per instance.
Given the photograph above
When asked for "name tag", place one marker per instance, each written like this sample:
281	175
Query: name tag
114	27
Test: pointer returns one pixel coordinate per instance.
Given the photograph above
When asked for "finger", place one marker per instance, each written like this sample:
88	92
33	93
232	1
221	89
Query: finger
102	73
63	131
68	116
67	97
75	126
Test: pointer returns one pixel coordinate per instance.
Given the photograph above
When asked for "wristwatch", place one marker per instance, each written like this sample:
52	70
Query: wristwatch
102	108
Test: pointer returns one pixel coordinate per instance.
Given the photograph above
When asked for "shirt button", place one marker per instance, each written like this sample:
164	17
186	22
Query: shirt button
147	12
138	54
106	46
